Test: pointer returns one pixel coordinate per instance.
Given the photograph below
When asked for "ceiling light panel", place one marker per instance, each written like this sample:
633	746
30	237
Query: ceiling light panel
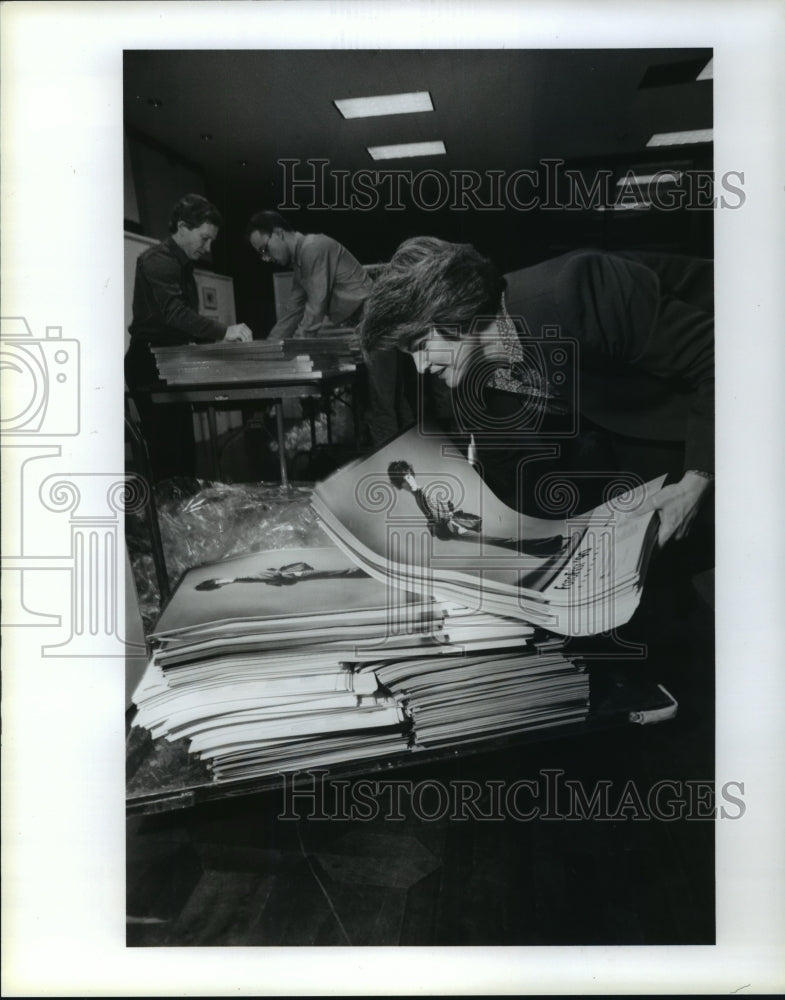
405	149
385	104
662	177
681	138
670	73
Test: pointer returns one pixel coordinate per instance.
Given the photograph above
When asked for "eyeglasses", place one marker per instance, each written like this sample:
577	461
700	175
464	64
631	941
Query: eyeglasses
262	250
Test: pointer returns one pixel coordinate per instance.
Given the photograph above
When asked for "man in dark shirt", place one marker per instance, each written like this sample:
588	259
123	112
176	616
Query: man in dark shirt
166	312
329	288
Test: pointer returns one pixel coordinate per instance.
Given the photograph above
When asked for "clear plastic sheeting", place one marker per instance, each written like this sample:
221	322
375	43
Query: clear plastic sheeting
202	522
297	439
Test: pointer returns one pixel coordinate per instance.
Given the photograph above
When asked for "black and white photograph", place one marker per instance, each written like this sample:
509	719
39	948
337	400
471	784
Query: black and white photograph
542	293
387	537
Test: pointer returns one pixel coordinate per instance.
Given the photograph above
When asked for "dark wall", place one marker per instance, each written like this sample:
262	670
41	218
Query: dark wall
160	178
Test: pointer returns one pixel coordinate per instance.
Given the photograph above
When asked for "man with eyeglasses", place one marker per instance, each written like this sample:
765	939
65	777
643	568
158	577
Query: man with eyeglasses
329	289
329	285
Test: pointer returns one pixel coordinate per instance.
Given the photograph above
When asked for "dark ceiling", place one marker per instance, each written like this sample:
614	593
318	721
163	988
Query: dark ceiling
494	109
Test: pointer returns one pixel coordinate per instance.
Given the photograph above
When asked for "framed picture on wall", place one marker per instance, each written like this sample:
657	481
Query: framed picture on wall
209	298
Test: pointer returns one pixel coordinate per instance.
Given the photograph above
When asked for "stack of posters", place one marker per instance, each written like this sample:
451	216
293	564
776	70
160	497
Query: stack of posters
417	512
259	360
296	658
456	699
328	348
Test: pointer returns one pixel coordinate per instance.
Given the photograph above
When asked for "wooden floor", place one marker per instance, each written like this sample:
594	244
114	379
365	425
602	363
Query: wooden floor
236	873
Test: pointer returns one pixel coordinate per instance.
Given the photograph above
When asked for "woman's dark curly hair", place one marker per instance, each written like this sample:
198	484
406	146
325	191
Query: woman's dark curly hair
429	283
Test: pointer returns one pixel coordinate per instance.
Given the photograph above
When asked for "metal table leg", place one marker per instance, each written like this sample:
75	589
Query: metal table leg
355	416
141	460
328	417
213	426
281	442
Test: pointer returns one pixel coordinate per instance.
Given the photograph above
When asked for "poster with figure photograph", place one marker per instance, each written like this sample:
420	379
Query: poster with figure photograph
527	216
444	532
270	584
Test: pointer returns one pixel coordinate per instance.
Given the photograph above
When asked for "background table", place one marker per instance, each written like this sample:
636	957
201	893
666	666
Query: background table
211	396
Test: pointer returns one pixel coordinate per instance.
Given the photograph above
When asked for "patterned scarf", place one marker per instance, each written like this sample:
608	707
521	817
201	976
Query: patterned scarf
518	377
